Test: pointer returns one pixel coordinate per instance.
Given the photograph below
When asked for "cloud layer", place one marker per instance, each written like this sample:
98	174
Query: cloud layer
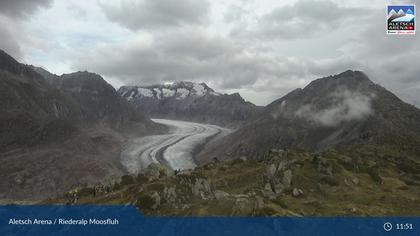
262	49
152	14
22	8
347	106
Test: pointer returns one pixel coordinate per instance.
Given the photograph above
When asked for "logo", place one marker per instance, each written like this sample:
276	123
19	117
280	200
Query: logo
401	19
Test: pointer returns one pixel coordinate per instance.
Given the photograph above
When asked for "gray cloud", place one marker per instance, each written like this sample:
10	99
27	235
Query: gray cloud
189	55
348	106
260	49
8	43
151	14
391	60
303	19
22	8
12	12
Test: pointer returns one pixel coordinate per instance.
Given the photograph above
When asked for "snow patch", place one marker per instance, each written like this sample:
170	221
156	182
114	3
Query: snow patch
168	92
215	93
199	89
145	92
182	93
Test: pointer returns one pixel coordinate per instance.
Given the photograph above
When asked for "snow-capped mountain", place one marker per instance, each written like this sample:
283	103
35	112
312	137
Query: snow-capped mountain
401	12
177	90
190	101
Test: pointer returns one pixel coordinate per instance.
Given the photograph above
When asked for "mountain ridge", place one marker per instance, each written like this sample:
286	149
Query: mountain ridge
335	112
192	102
58	132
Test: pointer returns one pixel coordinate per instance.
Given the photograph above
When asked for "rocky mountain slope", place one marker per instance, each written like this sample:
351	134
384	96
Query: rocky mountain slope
344	112
192	102
284	183
54	135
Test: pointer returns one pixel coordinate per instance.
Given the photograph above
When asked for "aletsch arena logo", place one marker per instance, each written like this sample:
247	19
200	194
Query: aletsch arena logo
401	19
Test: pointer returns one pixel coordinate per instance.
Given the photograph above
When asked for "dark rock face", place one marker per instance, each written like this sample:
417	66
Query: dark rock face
192	102
339	112
99	100
58	131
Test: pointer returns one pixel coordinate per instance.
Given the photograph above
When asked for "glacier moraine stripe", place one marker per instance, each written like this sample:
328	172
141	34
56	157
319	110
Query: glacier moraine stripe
175	149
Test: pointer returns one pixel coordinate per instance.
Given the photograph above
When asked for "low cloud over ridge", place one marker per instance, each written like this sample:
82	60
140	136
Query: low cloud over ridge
346	106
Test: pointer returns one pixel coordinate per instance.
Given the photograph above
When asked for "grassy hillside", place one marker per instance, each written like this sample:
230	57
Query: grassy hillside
282	183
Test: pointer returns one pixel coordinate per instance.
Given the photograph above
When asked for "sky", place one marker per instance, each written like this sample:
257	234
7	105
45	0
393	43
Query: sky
262	49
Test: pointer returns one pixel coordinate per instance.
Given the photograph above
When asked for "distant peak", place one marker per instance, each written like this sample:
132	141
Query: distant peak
83	75
84	80
353	73
177	89
348	77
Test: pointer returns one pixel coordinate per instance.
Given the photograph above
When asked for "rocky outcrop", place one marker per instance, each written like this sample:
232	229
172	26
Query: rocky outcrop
155	171
297	192
278	176
201	188
244	187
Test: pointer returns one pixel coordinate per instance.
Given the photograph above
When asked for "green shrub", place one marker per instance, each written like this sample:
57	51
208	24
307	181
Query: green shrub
156	187
145	202
126	180
330	180
374	174
280	202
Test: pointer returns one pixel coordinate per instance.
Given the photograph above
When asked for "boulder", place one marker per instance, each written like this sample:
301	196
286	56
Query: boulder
259	202
202	188
355	180
219	195
155	196
169	194
277	178
152	171
325	167
297	192
281	166
279	188
242	206
271	171
156	171
287	178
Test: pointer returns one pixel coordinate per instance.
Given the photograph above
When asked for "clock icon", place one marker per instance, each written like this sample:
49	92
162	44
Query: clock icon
387	226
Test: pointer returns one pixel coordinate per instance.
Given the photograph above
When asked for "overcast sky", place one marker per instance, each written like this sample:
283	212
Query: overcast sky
259	48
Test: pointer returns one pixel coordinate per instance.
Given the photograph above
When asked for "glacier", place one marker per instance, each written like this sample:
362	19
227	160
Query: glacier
175	150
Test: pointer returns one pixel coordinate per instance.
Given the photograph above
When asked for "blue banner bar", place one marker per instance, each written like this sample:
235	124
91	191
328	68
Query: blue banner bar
127	220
